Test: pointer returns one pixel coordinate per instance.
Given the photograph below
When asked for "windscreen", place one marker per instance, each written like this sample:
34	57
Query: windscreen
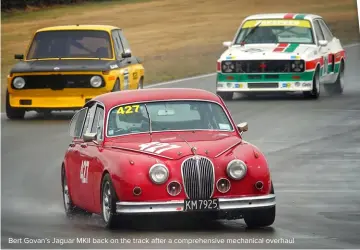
167	116
70	44
276	31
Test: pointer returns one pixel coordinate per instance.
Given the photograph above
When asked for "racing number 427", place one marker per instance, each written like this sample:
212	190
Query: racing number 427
84	171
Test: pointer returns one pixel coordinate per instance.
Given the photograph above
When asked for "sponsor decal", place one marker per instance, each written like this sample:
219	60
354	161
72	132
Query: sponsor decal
294	16
285	85
157	147
277	22
239	85
253	50
295	57
229	57
286	47
114	66
135	75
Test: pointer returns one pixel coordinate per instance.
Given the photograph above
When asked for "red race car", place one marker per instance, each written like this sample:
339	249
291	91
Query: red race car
155	151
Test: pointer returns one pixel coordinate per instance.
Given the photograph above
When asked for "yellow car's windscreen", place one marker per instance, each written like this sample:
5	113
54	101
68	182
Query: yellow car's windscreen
70	44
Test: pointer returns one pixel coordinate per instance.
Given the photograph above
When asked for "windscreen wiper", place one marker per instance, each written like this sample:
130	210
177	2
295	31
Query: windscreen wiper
242	42
150	124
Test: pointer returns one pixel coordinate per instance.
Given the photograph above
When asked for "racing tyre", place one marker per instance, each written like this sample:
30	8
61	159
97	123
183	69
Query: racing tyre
315	92
116	86
13	113
261	217
141	83
226	95
70	209
108	203
338	86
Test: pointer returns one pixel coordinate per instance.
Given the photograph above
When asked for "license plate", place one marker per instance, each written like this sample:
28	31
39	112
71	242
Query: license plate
209	204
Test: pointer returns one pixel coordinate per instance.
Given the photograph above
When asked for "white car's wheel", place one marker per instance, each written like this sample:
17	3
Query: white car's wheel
315	92
338	86
226	95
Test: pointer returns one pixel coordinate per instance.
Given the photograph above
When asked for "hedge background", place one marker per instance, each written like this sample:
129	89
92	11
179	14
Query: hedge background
7	5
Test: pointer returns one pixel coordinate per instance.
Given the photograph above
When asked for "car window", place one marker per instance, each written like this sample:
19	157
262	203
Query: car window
276	31
77	123
167	116
89	119
71	44
124	41
97	125
326	31
318	31
117	43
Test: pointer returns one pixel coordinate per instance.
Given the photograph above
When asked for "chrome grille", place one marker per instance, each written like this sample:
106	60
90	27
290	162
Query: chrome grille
198	177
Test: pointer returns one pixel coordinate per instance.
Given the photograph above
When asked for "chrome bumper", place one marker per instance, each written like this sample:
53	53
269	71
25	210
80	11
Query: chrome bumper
178	205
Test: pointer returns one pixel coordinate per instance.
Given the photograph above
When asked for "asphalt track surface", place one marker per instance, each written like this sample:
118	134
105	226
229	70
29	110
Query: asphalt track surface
313	148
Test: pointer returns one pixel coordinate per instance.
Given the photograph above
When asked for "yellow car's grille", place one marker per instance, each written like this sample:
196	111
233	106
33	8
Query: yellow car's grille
58	81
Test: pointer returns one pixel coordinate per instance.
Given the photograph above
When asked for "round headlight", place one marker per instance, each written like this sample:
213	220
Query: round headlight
96	81
159	173
236	169
19	82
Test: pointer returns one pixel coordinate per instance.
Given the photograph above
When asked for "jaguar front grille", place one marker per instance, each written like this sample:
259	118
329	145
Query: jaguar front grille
198	177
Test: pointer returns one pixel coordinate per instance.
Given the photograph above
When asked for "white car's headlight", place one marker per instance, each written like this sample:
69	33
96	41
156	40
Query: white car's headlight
96	81
159	173
236	169
19	82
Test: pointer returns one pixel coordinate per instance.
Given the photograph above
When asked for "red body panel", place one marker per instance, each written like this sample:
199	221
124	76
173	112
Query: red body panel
128	163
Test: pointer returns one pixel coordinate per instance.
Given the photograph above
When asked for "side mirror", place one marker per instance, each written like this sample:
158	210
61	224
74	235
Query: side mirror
89	137
323	43
227	44
19	56
126	54
243	127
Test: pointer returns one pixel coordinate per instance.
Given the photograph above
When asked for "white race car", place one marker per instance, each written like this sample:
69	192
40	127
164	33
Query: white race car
281	53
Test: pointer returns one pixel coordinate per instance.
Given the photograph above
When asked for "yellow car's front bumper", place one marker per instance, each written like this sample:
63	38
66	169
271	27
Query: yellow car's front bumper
52	99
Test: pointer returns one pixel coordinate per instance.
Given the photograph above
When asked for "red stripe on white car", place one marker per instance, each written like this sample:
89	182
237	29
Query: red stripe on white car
281	47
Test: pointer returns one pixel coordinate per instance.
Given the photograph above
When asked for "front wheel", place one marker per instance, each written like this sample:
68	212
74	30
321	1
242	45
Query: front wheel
226	95
69	207
13	113
262	217
108	203
116	86
315	92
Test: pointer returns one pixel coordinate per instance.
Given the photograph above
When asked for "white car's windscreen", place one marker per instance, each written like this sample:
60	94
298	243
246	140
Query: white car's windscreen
167	116
275	31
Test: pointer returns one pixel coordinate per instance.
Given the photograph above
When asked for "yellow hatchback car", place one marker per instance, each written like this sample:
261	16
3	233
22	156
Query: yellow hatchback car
65	66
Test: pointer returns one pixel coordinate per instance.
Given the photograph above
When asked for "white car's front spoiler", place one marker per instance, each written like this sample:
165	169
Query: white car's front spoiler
263	201
280	87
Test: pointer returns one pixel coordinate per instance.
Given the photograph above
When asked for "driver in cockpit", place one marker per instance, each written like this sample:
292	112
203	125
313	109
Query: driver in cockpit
130	123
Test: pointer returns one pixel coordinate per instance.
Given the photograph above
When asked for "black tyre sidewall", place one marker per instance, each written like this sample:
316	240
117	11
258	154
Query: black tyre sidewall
113	219
13	113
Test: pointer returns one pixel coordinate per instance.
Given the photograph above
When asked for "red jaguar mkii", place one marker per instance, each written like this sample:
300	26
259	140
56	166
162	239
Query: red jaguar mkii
170	151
